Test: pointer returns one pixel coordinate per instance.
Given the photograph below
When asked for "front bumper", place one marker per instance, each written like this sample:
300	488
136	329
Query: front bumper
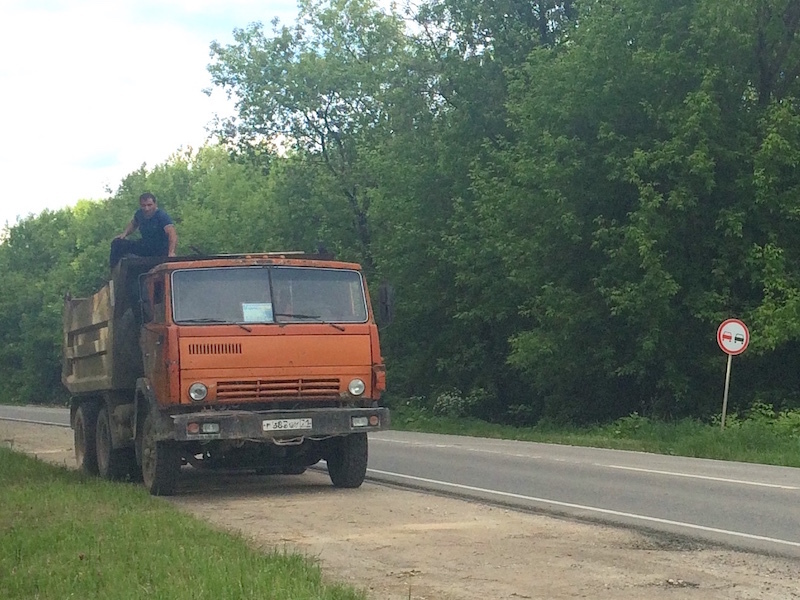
249	425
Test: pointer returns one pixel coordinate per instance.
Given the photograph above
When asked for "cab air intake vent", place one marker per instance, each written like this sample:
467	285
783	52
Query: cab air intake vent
215	348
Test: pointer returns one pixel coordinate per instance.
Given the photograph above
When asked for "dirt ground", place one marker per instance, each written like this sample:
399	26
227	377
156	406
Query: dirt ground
405	545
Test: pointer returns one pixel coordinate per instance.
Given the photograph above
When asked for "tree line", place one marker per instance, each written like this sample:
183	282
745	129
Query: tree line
567	197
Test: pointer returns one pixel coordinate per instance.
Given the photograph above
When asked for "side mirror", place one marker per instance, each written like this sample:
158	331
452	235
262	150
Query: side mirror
385	304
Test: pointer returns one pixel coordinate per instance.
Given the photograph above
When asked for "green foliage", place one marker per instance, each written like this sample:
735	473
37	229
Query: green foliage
452	403
761	416
220	206
624	206
629	426
319	89
35	258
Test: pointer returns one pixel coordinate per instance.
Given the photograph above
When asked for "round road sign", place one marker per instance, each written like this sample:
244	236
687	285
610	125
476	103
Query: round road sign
733	336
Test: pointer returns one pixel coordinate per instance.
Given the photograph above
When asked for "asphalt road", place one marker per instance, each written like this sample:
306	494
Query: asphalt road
753	507
749	506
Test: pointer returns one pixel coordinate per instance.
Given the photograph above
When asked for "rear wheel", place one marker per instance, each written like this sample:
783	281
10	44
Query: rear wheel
119	464
85	438
347	460
161	461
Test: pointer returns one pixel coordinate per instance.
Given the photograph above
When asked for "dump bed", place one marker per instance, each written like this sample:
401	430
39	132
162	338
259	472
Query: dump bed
101	333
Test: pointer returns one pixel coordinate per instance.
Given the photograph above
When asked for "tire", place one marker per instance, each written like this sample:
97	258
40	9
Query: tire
85	429
115	465
161	461
347	461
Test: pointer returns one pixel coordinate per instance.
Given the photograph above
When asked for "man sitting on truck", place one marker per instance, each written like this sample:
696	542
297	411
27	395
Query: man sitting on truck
159	237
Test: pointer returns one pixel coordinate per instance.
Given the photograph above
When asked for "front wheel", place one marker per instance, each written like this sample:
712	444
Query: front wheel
119	464
85	440
161	461
347	460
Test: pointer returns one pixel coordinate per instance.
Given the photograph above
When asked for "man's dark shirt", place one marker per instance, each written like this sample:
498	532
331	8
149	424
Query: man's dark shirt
152	230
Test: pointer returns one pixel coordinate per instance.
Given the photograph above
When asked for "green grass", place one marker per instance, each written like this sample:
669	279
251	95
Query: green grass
761	437
63	535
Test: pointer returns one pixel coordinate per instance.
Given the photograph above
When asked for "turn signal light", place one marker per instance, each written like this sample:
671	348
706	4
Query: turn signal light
371	421
195	428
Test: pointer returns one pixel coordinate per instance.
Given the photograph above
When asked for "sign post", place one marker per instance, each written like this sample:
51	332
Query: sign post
733	337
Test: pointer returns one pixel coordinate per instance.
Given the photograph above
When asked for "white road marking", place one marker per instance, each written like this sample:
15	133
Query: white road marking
722	479
595	509
34	422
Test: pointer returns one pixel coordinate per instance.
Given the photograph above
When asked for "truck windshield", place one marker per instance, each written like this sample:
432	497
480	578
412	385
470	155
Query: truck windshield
267	295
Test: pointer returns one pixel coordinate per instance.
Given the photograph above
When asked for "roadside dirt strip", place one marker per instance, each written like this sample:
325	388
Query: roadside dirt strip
405	545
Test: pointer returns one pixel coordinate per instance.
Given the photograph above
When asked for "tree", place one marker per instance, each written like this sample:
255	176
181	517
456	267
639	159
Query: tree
317	89
627	207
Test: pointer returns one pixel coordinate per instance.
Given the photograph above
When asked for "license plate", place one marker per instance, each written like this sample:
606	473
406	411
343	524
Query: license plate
285	424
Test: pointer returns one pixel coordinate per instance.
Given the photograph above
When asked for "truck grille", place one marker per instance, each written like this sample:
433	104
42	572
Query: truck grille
266	389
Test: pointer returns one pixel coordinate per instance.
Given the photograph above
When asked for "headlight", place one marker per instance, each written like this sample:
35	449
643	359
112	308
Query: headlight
198	392
356	387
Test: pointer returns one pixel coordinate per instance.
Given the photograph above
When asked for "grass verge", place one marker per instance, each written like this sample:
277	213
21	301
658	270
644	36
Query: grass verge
759	437
64	535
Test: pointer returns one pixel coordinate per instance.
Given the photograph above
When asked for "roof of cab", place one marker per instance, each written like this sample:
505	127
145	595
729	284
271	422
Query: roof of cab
300	259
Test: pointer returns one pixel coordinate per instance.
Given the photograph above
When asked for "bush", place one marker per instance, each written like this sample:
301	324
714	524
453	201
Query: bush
522	415
452	403
628	427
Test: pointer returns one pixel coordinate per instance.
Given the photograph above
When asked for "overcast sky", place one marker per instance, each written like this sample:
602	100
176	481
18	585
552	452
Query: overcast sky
92	89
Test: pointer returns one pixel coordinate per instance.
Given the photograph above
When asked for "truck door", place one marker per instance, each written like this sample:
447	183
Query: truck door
154	341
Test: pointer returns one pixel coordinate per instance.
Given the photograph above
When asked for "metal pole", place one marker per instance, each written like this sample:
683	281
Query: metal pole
725	397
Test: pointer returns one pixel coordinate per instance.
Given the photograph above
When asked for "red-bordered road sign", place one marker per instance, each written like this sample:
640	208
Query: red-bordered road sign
733	336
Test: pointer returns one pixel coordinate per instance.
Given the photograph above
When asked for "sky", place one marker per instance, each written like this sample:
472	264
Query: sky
90	90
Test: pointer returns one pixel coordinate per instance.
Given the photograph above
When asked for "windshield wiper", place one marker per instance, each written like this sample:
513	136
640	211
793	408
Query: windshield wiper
310	317
212	321
203	320
299	316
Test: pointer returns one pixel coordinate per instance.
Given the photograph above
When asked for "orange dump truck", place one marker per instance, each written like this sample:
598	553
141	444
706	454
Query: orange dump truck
266	362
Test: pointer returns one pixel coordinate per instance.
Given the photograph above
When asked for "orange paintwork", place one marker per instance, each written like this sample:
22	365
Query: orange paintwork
261	362
273	353
296	345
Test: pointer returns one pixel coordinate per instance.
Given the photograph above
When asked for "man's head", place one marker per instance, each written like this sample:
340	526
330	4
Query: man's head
148	204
